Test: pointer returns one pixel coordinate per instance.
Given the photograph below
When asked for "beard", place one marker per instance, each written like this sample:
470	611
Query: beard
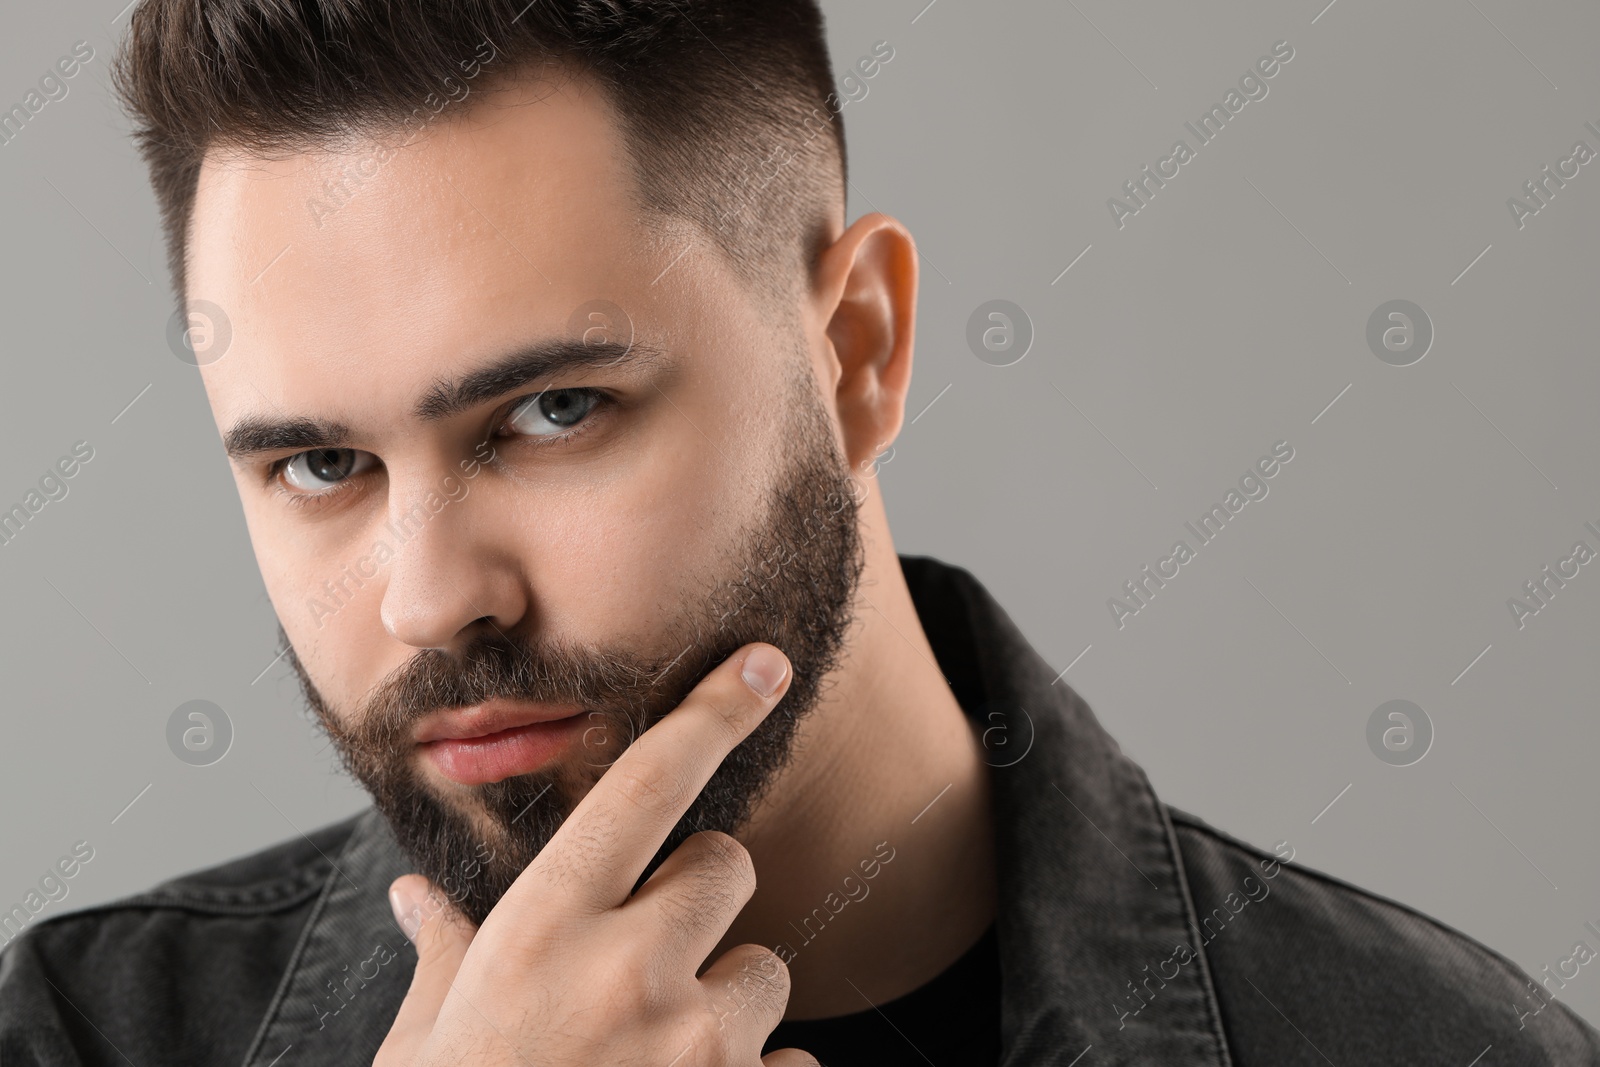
790	581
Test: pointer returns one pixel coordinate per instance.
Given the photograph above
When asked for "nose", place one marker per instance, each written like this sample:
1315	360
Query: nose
450	568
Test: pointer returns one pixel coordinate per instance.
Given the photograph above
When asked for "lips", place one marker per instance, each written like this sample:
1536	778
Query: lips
491	717
498	739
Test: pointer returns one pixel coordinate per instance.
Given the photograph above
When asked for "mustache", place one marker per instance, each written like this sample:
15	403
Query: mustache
494	666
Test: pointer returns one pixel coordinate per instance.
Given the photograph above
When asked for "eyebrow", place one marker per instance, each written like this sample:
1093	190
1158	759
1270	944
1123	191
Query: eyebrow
526	365
253	435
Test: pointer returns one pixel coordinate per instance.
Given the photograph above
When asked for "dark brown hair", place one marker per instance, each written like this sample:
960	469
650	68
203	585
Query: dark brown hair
721	102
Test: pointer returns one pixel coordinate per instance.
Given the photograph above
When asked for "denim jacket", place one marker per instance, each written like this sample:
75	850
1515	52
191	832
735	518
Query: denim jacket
1129	932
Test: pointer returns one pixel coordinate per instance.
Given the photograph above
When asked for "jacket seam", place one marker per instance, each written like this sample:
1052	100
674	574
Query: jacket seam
199	905
1206	830
1460	937
286	979
282	894
1208	986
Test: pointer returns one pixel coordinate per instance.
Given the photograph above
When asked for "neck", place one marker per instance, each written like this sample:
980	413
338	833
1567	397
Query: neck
873	849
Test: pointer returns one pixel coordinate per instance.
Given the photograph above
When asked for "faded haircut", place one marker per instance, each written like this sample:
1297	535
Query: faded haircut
726	107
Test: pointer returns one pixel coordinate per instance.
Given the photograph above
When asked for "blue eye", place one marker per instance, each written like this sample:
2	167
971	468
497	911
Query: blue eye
323	468
552	412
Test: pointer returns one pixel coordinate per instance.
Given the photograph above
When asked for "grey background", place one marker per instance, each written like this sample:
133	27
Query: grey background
1226	316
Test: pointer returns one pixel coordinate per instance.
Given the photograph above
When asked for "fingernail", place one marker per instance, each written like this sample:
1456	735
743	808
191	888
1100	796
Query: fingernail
764	669
407	911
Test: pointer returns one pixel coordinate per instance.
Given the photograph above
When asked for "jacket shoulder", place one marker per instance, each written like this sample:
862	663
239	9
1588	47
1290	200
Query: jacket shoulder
1308	967
275	877
77	987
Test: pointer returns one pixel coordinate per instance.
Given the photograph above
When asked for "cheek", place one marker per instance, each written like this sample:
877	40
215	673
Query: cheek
634	552
276	562
338	643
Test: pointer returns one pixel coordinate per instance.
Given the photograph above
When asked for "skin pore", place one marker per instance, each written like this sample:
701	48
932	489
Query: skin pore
486	234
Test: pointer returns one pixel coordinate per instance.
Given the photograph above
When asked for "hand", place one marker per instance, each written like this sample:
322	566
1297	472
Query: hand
569	970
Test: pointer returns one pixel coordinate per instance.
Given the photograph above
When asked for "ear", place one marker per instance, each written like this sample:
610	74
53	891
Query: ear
866	293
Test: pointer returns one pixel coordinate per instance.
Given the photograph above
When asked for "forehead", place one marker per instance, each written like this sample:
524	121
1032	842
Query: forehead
507	212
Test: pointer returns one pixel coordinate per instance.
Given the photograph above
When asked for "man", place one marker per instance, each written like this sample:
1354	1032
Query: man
554	383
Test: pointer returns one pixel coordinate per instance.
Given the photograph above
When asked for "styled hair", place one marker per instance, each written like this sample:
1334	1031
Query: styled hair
726	107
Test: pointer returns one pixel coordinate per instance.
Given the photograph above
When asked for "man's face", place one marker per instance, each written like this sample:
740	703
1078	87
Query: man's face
506	528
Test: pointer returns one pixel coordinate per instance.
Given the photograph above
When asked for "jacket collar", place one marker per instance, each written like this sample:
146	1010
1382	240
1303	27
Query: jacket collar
1095	927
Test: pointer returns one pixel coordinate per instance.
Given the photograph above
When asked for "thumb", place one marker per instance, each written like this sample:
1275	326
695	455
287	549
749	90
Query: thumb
441	936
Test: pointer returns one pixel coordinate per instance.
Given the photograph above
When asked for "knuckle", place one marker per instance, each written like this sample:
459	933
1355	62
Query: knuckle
569	871
724	847
773	971
775	980
633	987
762	979
716	879
499	969
689	911
648	784
730	706
708	1031
729	858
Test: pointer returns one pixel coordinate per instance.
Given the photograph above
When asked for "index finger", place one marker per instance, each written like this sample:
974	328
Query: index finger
604	846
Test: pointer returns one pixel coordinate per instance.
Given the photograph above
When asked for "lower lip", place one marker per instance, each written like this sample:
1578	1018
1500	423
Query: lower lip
493	757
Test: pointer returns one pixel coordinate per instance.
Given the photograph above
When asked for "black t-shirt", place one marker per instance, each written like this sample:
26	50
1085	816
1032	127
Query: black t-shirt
952	1020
